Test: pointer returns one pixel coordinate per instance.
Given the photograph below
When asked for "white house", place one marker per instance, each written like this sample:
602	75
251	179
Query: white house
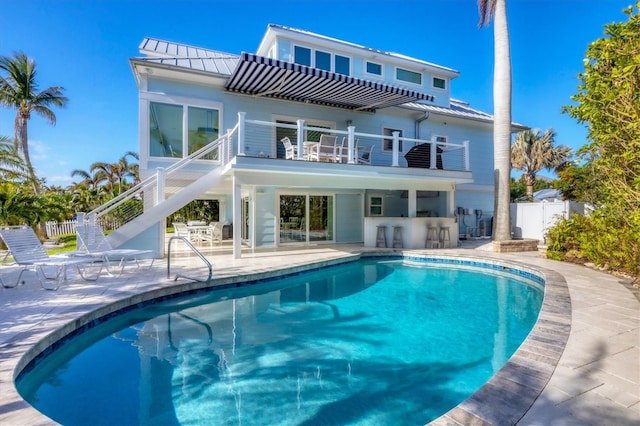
212	125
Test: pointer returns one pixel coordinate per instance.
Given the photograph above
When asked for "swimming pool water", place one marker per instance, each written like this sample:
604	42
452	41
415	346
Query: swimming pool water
367	342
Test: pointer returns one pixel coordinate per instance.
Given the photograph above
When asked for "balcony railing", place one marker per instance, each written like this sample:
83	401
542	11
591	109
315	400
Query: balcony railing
255	139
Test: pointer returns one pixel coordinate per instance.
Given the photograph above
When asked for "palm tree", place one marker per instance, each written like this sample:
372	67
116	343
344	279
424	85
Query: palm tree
532	152
19	90
11	164
497	10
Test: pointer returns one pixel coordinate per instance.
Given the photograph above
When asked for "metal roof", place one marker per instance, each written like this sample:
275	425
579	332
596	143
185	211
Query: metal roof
260	76
458	109
187	57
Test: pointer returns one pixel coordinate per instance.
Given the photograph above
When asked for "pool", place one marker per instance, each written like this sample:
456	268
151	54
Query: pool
373	341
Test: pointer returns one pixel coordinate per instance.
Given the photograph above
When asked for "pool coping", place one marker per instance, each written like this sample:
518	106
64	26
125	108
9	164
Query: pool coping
504	399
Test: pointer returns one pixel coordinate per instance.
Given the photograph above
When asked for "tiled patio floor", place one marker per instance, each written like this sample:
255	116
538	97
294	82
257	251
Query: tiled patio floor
596	381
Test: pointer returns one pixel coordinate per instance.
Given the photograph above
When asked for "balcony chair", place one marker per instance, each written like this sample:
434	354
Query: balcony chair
290	150
344	149
325	150
364	156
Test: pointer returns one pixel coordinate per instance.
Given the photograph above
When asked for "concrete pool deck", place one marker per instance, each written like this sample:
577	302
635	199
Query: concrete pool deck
595	382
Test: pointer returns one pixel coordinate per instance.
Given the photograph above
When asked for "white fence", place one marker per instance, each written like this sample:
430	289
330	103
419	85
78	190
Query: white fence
55	229
531	220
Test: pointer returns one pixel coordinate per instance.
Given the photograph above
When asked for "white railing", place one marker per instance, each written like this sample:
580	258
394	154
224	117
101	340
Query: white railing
129	205
434	155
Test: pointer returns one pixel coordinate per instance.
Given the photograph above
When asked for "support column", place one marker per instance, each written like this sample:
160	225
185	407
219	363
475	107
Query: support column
237	218
412	202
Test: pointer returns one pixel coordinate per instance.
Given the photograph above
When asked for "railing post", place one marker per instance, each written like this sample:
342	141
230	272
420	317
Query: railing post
241	118
227	147
467	166
351	138
160	185
396	146
432	154
300	140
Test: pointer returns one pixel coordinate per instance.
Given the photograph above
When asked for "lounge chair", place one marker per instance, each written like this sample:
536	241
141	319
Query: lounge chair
28	252
92	242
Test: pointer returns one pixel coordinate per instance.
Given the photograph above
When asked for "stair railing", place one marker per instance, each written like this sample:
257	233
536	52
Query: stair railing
129	205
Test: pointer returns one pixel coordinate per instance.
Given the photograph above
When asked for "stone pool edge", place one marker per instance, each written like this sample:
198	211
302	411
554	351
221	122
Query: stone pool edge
504	399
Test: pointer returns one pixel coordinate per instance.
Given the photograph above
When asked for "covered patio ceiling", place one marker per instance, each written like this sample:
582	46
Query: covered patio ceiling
260	76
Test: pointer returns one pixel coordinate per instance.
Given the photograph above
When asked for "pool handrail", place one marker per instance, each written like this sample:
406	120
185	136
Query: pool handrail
196	251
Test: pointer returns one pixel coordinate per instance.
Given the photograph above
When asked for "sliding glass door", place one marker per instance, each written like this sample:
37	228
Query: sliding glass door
306	218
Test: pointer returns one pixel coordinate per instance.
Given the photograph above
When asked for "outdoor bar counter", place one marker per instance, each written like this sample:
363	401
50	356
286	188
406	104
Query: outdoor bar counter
414	230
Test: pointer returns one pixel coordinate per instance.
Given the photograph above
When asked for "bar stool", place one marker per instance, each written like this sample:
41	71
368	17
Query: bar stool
397	237
444	237
381	237
432	237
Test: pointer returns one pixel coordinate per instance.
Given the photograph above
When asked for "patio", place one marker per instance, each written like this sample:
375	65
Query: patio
596	381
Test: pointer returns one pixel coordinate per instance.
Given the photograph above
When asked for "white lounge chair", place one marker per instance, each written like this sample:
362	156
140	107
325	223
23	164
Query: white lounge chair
28	252
93	243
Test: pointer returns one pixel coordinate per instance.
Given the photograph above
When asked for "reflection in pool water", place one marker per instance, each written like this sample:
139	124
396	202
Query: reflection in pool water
368	342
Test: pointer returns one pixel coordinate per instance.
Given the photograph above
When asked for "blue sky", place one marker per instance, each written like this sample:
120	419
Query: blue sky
84	46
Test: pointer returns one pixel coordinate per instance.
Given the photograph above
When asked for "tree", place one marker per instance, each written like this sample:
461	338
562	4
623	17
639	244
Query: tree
11	164
19	90
497	10
531	152
607	102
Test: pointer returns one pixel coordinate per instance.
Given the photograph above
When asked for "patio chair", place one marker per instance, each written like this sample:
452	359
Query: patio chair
214	233
28	252
364	156
290	150
93	243
344	149
325	150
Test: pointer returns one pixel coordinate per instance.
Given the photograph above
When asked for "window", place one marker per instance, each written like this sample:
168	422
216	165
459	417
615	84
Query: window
376	205
323	60
302	55
165	130
409	76
342	65
203	128
167	123
373	68
439	83
387	143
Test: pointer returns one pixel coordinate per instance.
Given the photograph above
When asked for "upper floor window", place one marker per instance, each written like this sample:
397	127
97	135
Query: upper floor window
374	68
439	83
342	65
409	76
387	142
322	60
302	55
178	130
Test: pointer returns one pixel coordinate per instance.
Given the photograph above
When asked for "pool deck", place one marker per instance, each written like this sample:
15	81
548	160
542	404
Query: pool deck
595	382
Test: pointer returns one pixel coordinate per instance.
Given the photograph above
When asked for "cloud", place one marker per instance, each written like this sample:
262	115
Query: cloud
38	150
